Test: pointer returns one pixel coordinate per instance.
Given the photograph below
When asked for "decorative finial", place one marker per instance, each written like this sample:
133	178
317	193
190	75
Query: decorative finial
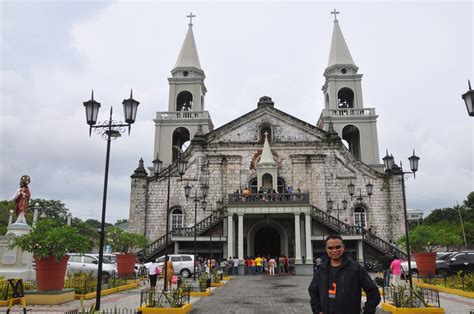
191	15
131	93
335	14
92	96
469	83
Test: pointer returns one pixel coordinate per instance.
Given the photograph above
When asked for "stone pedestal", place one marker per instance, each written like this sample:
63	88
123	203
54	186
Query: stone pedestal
14	263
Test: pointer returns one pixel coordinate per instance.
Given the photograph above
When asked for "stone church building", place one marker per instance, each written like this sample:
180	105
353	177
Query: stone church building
276	185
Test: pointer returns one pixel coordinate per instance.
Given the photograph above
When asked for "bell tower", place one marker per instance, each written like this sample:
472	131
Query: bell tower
344	106
185	116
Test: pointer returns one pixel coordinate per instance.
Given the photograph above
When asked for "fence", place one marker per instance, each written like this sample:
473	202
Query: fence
462	280
415	297
174	298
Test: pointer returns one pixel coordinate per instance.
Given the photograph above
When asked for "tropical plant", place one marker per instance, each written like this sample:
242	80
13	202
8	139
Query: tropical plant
404	297
428	238
49	239
123	241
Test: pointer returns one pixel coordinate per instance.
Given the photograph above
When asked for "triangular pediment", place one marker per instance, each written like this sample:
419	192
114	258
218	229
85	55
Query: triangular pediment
285	128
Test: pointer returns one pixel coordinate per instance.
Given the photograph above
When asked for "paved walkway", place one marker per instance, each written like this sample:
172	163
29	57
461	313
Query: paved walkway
244	294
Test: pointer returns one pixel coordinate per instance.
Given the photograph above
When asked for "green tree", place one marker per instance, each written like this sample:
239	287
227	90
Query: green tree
53	209
5	207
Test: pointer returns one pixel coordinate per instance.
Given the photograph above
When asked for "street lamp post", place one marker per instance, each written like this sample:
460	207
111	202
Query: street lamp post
196	200
331	204
109	129
393	169
157	169
469	100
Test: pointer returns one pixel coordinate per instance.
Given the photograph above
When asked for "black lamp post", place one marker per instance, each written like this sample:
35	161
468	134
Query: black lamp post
369	190
157	169
196	200
469	100
331	205
393	169
109	129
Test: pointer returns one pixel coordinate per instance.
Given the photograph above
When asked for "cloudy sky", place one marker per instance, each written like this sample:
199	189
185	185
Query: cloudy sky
416	58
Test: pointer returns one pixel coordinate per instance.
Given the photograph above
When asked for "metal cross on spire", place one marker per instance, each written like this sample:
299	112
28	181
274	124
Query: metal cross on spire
191	15
335	14
266	135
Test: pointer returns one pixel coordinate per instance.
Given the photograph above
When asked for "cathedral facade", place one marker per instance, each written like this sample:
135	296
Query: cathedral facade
267	183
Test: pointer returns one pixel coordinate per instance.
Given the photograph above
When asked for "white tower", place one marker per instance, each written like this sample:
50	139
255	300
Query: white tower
344	106
185	116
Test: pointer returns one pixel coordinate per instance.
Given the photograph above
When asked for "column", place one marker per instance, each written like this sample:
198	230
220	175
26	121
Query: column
309	246
176	247
297	239
360	251
240	241
230	236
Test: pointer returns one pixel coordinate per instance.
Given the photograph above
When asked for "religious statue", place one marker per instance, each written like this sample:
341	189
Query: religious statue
22	199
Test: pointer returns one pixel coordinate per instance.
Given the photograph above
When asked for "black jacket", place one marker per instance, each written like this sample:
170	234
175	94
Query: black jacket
350	279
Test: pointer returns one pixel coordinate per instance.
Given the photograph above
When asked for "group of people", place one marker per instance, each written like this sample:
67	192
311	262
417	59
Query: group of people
392	270
269	265
156	271
267	195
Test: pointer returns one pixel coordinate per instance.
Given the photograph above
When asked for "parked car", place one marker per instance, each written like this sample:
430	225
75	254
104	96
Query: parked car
90	263
460	261
183	264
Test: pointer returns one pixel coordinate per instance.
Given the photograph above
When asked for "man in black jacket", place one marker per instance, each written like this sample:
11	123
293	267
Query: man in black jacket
337	283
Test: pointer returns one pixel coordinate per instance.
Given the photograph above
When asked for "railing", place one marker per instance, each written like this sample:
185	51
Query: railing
159	244
171	115
203	225
402	294
334	223
348	112
268	199
383	245
346	229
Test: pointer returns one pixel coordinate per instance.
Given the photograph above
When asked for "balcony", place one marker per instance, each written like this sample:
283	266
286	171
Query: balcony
344	112
172	115
268	199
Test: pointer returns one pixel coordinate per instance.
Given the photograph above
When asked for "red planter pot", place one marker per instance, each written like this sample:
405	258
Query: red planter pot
50	273
426	263
126	265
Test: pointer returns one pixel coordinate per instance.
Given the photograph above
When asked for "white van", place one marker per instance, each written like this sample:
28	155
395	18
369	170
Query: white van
89	263
183	264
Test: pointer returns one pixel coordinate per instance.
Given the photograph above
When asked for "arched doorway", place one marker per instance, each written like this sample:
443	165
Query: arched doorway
267	242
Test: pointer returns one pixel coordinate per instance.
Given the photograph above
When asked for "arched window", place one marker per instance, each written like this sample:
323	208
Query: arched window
177	218
345	98
359	217
267	182
180	137
351	135
184	101
281	185
268	129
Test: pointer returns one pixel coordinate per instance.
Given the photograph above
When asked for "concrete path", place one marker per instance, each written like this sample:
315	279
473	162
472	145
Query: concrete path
244	294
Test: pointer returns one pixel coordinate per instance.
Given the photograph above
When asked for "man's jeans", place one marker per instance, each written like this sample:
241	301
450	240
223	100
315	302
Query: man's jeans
386	277
236	270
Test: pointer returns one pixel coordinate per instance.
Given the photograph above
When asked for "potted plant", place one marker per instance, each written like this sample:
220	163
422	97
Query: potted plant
203	281
424	240
49	244
126	244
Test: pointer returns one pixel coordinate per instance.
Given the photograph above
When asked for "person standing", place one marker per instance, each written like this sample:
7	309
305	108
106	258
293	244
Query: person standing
396	269
338	281
386	262
271	266
169	272
153	273
258	262
236	265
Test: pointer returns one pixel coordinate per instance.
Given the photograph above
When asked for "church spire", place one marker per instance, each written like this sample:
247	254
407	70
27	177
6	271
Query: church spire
267	157
188	56
339	53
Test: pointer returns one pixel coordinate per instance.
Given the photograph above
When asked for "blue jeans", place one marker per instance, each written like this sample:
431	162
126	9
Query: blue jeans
386	277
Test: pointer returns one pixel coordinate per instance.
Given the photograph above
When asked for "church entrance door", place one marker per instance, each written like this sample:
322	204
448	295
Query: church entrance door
267	242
